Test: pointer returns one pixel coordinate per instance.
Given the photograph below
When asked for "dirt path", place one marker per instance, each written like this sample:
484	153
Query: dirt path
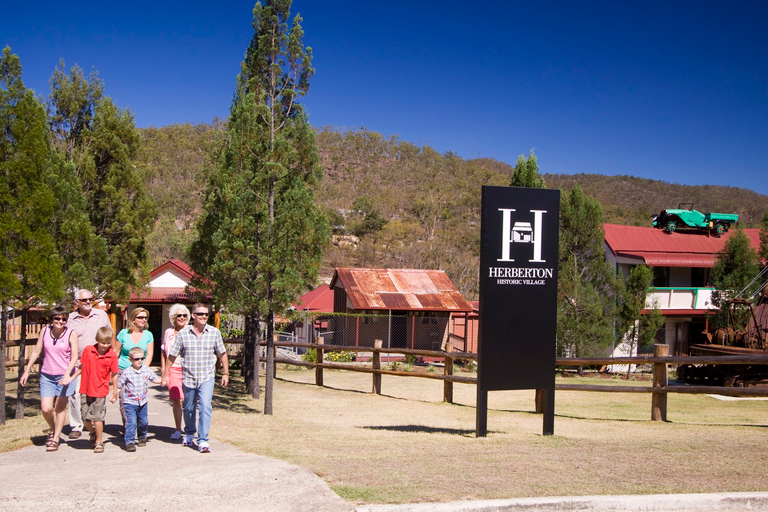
162	476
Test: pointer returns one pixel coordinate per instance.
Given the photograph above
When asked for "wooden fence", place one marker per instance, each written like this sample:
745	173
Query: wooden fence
12	343
659	389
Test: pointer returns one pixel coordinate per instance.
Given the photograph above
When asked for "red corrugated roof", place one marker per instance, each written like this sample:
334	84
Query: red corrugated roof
179	265
403	289
319	299
679	249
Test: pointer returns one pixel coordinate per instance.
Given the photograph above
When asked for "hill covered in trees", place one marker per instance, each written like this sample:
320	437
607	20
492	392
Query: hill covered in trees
392	203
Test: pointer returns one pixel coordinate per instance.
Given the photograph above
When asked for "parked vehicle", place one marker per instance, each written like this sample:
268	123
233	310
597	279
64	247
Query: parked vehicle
673	219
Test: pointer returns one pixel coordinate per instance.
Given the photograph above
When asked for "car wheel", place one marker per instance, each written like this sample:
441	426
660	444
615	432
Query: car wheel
671	226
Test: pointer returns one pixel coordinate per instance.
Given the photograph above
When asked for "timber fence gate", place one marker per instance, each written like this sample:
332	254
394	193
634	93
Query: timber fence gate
660	362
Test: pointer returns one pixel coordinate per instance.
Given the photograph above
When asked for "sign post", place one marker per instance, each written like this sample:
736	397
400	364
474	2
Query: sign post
518	296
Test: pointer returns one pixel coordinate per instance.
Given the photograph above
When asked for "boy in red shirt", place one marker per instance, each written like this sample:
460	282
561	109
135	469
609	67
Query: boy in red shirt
98	365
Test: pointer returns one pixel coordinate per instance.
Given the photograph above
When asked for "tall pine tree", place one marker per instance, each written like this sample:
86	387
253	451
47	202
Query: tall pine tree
527	173
586	284
104	212
30	269
261	235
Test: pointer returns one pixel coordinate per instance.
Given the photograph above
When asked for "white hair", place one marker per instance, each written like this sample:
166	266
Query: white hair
81	290
175	310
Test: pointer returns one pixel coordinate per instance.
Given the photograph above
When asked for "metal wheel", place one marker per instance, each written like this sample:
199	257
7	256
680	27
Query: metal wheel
720	228
671	226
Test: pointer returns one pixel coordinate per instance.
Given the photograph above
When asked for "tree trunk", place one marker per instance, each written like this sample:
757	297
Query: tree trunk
4	326
270	362
250	368
22	363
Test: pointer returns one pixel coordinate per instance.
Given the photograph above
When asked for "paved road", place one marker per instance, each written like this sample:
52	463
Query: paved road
163	476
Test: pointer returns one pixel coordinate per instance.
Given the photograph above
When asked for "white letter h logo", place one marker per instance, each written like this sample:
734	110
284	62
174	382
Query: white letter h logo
512	235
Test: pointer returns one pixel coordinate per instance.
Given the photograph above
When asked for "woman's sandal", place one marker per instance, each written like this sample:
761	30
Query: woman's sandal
51	446
98	448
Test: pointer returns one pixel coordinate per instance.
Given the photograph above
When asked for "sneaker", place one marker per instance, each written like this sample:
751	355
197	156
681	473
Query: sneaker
203	447
186	441
75	434
176	435
142	442
130	447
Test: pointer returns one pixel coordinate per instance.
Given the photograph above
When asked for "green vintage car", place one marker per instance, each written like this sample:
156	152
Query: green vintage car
687	218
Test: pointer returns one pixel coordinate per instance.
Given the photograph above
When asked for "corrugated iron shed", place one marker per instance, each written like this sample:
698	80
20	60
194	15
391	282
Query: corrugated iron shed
656	247
400	289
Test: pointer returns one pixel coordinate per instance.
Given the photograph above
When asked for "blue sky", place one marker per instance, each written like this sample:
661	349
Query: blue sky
675	91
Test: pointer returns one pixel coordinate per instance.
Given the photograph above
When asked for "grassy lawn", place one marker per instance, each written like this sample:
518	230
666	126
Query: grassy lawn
408	446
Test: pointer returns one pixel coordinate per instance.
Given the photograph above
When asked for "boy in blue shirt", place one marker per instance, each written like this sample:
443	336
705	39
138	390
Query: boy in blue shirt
134	380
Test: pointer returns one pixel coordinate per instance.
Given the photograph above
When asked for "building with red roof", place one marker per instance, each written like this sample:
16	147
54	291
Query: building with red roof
168	285
681	264
405	308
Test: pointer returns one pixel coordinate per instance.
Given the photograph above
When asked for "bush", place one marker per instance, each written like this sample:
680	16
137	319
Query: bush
235	333
310	356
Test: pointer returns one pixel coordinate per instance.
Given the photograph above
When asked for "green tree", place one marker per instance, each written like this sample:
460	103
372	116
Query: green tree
732	276
632	327
97	141
30	268
527	173
369	220
261	235
587	285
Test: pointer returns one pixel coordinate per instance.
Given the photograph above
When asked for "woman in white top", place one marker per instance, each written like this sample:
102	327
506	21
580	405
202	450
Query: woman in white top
178	314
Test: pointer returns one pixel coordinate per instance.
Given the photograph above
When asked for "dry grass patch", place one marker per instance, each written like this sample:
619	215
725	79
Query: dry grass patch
408	446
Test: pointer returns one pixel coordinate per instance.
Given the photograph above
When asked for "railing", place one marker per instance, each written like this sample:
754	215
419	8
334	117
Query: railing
680	298
659	390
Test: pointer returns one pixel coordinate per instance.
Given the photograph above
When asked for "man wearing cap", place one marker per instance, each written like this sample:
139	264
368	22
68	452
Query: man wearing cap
85	321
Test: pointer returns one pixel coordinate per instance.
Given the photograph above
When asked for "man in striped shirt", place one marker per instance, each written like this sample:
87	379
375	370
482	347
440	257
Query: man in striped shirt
200	345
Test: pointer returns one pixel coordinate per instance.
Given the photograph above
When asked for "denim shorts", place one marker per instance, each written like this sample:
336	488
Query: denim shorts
50	386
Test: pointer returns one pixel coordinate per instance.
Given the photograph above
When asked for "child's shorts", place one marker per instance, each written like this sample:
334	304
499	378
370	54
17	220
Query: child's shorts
50	386
93	408
174	384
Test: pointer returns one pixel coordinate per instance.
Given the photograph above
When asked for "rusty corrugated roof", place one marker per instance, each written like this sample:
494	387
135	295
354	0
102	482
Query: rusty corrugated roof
401	289
679	249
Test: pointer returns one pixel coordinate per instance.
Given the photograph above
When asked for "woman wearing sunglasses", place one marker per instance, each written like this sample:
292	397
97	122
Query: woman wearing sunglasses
136	335
58	343
178	314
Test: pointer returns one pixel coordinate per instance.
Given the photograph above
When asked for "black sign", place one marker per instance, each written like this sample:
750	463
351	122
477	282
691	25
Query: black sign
518	288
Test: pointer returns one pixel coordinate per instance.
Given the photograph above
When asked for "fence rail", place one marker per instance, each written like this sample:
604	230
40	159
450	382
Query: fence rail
659	389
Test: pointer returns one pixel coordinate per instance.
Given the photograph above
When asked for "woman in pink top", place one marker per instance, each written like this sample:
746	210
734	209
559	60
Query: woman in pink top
178	314
59	344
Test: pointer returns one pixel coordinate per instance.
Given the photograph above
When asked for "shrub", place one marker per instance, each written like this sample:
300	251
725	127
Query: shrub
310	356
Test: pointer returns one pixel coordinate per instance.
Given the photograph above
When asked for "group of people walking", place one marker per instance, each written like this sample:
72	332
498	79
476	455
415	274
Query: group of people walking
83	359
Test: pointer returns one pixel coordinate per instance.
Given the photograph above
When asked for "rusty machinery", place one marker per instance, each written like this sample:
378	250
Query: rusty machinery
734	340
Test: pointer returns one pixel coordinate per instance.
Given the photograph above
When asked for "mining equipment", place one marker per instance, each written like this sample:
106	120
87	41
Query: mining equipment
734	340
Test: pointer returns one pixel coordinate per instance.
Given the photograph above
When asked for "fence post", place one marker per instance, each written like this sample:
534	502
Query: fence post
660	379
377	366
319	360
448	385
275	339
